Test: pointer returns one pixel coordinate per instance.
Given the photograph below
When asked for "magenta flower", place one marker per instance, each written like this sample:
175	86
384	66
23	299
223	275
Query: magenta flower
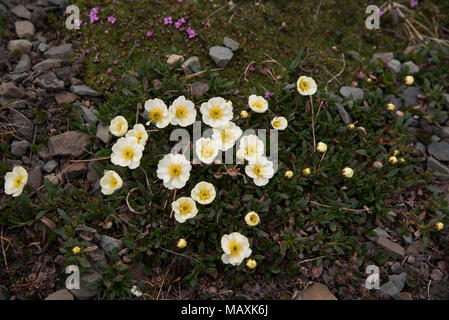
191	32
179	23
111	20
251	68
149	33
78	22
109	70
93	15
413	3
361	75
168	20
268	94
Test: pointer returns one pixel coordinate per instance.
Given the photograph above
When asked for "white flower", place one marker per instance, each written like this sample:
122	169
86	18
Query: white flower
203	193
306	86
206	149
118	126
139	132
184	208
226	136
15	181
257	103
157	112
250	147
136	291
261	170
110	182
252	219
182	112
126	152
279	123
321	147
236	248
216	112
174	170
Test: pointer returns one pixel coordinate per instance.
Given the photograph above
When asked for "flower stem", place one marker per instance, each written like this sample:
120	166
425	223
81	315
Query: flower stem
313	123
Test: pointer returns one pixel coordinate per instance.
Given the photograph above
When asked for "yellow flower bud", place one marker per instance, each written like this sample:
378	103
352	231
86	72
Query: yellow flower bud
243	114
401	160
288	174
181	243
395	152
229	102
393	160
390	107
350	126
76	250
321	147
251	263
439	226
347	172
306	172
369	80
409	80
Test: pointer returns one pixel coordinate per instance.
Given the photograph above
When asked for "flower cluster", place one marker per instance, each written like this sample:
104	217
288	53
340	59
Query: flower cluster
93	15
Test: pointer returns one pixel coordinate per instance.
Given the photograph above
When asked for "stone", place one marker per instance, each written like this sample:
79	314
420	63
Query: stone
19	104
21	45
24	29
317	291
157	84
446	99
63	52
23	127
62	294
50	81
405	296
83	90
103	133
47	65
439	290
438	167
92	175
50	166
386	57
70	143
24	64
435	138
355	93
396	267
412	68
9	90
379	232
86	282
89	115
35	177
220	55
394	100
65	97
393	249
394	286
191	65
416	248
231	43
4	294
109	244
411	259
408	238
3	10
345	116
410	96
21	12
19	148
16	77
440	150
42	47
74	170
174	58
395	66
199	89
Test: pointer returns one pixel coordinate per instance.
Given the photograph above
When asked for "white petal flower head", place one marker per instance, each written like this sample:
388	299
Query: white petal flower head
203	193
279	123
136	291
15	181
236	248
184	208
226	136
347	172
206	149
182	112
216	112
157	112
321	147
306	86
252	219
260	170
257	103
126	152
110	182
174	170
140	133
250	148
118	126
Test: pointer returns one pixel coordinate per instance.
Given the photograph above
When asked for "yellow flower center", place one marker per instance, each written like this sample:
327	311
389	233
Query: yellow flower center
128	153
119	127
139	136
276	123
207	151
258	170
113	183
251	150
253	218
204	194
181	112
257	105
174	170
18	181
156	115
185	208
235	248
304	85
215	113
226	136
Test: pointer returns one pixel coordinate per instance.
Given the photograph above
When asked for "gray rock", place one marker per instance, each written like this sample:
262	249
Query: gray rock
21	45
18	104
86	282
421	148
199	89
23	127
83	90
63	52
24	28
289	86
416	248
42	47
231	43
395	65
412	68
60	3
35	177
19	148
24	64
3	10
441	132
411	259
21	12
386	57
89	115
394	100
393	249
70	143
410	96
4	294
396	267
379	233
221	55
47	65
49	81
191	65
355	93
394	286
345	116
62	294
157	84
50	166
440	150
437	116
9	90
16	77
438	167
439	290
109	244
408	239
435	138
103	133
446	98
332	97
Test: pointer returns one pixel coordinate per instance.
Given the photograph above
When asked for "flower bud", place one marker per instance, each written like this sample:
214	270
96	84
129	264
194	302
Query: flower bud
243	114
347	172
306	172
251	263
181	243
321	147
409	80
288	174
